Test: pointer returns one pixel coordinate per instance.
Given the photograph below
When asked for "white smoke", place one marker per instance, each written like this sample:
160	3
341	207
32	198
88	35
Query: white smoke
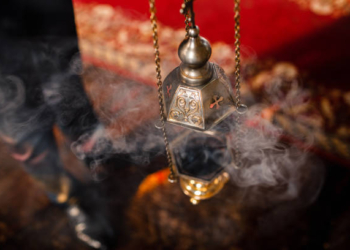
267	162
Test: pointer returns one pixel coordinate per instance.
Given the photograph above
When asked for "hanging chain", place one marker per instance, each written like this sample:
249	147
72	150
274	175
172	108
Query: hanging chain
187	16
172	176
238	53
241	108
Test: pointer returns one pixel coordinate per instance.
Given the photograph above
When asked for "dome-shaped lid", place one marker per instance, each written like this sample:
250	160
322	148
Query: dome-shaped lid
194	51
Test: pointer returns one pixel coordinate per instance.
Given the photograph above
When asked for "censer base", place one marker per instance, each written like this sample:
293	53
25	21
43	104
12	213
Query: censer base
199	190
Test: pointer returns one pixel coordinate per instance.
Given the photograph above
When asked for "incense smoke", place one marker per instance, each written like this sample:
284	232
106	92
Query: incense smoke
267	162
125	131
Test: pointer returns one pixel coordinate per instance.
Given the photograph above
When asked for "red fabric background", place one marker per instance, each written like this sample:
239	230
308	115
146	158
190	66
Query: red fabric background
266	24
277	29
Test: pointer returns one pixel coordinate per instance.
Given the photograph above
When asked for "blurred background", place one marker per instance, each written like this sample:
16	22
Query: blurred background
82	164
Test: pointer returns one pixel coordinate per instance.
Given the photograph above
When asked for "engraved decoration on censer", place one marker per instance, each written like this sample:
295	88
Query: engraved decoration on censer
187	108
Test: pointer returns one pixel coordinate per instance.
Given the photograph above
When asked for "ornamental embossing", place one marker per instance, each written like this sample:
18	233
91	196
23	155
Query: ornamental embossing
186	107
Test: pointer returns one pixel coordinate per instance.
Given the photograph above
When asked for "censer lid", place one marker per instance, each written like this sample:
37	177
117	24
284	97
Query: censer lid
194	53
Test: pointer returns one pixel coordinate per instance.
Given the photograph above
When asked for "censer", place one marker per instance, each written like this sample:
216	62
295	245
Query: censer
197	95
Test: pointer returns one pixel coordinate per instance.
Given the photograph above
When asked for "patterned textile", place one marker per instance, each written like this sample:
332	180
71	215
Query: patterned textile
121	42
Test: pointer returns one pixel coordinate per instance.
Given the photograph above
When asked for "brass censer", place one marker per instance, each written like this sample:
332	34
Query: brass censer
197	95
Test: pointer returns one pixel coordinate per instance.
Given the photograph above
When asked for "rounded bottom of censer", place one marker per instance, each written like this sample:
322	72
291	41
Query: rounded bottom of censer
199	190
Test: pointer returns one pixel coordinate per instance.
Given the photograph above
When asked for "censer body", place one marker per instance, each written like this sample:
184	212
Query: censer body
197	95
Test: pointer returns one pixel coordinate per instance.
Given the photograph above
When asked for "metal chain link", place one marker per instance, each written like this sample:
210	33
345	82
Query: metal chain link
187	24
237	52
187	16
172	176
241	108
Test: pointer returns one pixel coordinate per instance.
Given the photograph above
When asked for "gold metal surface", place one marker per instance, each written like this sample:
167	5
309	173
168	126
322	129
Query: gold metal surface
198	190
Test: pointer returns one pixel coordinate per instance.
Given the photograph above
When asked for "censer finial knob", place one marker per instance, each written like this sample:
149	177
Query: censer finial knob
197	94
194	53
